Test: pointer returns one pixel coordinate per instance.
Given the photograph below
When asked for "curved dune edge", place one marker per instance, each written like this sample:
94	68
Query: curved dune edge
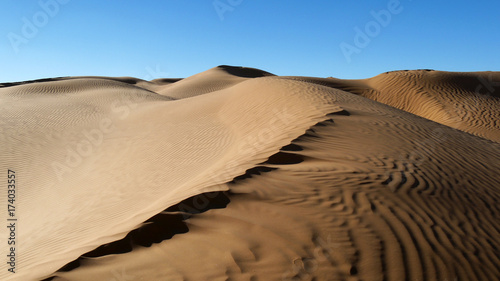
137	153
467	101
377	194
276	225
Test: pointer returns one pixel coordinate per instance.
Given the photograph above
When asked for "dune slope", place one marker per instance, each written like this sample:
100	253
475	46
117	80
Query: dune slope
467	101
321	183
98	157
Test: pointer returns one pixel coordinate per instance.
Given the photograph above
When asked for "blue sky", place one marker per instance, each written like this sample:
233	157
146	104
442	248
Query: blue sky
179	38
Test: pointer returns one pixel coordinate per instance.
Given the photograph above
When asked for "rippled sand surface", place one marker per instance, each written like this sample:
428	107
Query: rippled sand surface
238	174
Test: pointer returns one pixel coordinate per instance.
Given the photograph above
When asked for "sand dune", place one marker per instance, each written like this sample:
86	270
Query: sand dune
466	101
237	174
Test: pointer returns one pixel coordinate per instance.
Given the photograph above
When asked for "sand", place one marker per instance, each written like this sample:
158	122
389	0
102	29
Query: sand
238	174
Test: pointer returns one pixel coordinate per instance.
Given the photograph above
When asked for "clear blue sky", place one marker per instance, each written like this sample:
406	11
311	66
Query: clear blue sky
179	38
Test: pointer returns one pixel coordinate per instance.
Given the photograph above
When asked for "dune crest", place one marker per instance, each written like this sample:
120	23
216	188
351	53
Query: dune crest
99	156
324	179
467	101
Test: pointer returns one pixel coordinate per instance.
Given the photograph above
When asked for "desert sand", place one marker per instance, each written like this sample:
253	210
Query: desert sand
238	174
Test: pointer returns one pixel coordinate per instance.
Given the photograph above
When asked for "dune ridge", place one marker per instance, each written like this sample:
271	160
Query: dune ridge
467	101
324	179
167	149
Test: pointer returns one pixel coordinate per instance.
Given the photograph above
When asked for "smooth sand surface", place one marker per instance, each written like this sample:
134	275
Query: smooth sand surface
237	174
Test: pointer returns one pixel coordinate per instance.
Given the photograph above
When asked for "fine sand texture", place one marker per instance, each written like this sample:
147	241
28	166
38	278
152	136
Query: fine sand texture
468	101
237	174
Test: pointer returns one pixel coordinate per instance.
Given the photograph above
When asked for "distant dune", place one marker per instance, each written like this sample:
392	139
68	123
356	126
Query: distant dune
238	174
467	101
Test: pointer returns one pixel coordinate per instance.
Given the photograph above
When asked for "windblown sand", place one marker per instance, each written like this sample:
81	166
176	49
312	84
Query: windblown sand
238	174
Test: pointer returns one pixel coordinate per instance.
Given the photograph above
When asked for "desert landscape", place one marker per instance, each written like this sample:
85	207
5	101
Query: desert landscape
238	174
